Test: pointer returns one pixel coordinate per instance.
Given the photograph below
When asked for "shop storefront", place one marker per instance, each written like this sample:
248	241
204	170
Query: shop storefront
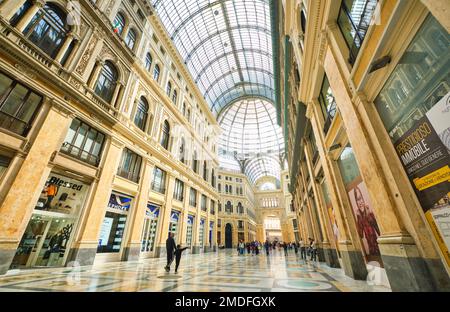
414	106
201	233
189	230
149	229
366	223
49	233
174	224
113	228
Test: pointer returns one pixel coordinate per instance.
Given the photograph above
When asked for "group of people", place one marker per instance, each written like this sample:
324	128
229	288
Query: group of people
306	249
173	250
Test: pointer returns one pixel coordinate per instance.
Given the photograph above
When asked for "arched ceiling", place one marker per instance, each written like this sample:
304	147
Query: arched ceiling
226	45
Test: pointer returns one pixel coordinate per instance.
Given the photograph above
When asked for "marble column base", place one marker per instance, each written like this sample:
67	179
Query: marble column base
331	257
439	274
320	255
131	253
196	249
354	264
6	257
82	256
160	252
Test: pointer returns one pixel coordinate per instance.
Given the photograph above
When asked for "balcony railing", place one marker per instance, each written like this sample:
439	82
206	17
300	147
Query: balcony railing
354	23
132	176
80	154
158	188
13	124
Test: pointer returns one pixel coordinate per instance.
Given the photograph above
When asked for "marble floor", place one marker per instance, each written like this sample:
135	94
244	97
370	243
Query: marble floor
212	272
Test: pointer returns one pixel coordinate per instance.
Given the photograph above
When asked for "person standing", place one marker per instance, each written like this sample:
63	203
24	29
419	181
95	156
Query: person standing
285	247
170	249
313	250
296	248
302	250
267	246
178	253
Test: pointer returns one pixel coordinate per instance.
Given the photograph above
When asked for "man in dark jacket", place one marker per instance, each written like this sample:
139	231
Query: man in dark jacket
170	248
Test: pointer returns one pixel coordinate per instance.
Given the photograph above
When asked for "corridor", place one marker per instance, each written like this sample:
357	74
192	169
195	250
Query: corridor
222	271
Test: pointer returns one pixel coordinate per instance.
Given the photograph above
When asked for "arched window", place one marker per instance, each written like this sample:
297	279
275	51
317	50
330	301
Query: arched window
240	208
188	115
213	178
156	72
182	150
148	61
106	82
48	29
140	117
229	207
130	40
184	109
195	162
169	88
119	24
165	135
174	97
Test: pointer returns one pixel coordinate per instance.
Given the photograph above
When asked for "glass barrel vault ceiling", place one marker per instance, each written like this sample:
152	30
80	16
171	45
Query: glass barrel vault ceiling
227	47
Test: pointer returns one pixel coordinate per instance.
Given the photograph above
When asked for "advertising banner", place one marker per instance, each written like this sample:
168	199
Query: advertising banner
424	152
152	211
119	202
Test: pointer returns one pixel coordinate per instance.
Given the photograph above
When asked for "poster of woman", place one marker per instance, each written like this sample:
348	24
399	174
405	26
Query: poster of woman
365	219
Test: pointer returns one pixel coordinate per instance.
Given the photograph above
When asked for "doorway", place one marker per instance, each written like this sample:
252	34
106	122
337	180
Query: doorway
228	236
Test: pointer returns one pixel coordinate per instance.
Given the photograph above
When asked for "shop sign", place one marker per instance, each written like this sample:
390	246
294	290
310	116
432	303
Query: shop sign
152	211
424	151
119	202
174	216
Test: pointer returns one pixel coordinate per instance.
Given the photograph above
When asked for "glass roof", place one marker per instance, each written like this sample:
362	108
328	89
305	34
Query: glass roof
226	45
251	137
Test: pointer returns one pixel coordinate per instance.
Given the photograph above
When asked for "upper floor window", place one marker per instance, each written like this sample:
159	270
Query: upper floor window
193	197
228	207
182	150
106	82
169	88
130	165
212	207
240	208
195	162
148	61
174	97
156	73
327	103
165	135
188	116
140	117
130	40
203	203
83	142
159	180
18	106
354	21
205	171
119	24
178	192
48	29
184	109
20	13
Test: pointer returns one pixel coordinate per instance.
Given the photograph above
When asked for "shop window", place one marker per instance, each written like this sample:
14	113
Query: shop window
414	108
106	82
130	165
178	192
113	227
48	29
140	117
327	104
366	223
193	197
18	106
159	180
354	21
83	142
165	135
150	227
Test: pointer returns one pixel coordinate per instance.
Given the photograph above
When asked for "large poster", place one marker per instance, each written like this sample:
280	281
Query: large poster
366	223
424	152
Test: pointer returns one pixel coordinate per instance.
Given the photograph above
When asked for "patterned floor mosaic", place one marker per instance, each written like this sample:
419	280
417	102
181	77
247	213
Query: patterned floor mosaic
220	271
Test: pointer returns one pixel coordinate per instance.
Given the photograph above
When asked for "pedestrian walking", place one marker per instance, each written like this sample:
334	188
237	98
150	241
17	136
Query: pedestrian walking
170	249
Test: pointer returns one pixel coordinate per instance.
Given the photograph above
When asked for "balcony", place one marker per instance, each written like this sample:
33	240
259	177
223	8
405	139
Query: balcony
14	124
80	154
132	176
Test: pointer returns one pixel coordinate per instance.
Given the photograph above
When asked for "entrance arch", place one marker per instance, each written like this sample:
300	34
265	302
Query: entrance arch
228	236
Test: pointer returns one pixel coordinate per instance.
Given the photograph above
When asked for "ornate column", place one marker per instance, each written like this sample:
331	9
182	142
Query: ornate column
98	67
196	228
84	249
62	51
19	202
165	218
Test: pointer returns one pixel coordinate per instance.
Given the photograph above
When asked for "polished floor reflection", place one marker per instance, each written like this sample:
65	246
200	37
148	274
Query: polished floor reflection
221	271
